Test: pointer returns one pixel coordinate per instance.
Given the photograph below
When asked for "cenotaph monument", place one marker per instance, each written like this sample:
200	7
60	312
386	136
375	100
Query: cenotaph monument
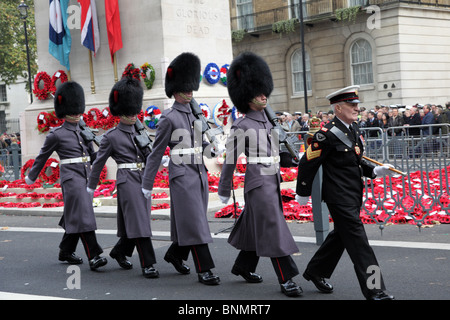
153	32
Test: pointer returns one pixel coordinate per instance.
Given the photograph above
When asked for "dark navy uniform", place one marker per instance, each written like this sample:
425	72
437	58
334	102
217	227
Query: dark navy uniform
339	151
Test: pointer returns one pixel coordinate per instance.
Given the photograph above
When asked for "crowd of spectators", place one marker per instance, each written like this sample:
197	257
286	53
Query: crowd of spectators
7	140
383	117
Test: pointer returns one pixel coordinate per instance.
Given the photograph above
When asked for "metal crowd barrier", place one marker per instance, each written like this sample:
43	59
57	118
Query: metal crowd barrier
11	163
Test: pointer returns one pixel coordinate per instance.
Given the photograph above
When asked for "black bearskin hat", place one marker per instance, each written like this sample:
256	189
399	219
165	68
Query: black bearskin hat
125	98
69	99
248	76
183	74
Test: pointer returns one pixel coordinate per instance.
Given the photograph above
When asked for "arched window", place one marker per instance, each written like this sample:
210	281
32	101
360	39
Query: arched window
361	62
297	72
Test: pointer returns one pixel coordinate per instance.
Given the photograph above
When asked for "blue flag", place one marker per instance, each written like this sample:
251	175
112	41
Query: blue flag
60	41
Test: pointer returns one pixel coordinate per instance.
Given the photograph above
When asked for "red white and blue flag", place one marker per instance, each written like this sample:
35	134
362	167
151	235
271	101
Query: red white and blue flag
90	36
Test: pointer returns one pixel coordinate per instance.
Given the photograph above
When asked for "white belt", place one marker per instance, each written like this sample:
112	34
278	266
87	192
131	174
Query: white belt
263	160
75	160
132	166
186	151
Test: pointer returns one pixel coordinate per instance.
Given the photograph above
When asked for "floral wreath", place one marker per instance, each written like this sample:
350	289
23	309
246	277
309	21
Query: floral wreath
140	116
103	174
223	74
43	122
131	71
54	121
54	174
235	113
151	78
107	120
151	116
61	75
92	118
221	113
47	120
206	111
42	94
25	168
212	73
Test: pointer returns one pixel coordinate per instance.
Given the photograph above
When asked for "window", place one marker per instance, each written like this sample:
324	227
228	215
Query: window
297	72
361	62
245	14
295	9
354	3
3	96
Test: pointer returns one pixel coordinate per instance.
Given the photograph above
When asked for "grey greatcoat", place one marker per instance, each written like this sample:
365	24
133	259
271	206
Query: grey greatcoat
78	215
262	226
188	178
133	209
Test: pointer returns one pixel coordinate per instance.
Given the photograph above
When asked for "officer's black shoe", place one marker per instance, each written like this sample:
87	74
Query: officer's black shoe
121	260
319	282
291	289
97	262
71	258
248	276
380	295
150	272
208	278
177	263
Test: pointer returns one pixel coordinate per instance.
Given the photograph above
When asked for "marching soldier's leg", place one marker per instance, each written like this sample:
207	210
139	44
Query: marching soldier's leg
286	269
147	258
67	248
93	250
175	255
123	248
357	245
203	264
324	261
245	266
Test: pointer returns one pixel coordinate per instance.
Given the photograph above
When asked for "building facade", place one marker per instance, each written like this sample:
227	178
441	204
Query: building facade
397	51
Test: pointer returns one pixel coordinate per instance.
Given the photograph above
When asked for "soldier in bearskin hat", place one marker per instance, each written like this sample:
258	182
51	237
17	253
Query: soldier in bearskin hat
188	179
75	156
133	209
261	230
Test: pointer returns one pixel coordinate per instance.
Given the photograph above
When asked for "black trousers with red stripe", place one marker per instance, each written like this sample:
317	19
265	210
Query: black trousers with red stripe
144	248
88	239
200	254
285	267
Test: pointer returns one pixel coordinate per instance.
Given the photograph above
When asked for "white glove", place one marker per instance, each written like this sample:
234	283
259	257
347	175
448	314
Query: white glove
223	199
28	180
147	193
384	170
165	161
220	149
303	201
90	191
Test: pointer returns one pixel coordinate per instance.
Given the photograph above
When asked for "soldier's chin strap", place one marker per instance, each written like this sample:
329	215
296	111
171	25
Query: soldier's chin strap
259	103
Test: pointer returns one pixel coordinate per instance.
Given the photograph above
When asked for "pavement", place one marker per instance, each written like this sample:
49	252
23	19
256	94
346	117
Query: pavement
415	264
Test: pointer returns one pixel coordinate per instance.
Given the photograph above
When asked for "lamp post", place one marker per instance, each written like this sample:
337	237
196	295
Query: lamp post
302	40
23	9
